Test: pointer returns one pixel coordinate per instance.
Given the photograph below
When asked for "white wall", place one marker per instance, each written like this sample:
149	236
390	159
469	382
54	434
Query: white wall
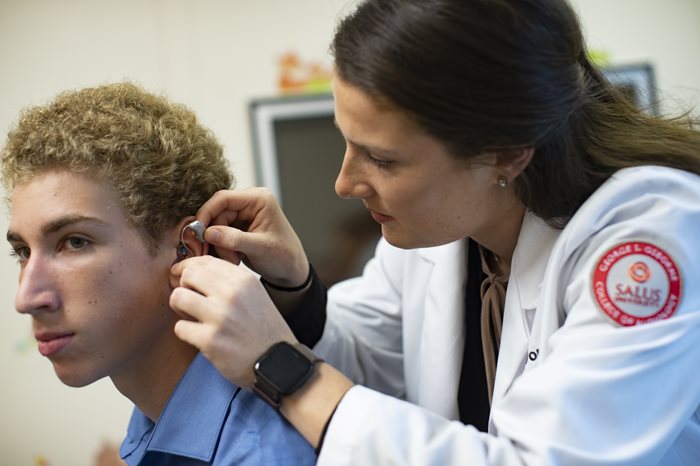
665	34
213	55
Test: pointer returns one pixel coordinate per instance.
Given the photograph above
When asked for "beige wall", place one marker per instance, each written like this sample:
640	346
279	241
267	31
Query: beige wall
665	34
214	55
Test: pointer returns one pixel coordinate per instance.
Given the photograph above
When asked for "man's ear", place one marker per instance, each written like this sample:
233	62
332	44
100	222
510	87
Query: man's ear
511	162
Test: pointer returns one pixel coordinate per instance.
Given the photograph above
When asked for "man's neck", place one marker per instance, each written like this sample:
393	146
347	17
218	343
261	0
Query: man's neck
150	381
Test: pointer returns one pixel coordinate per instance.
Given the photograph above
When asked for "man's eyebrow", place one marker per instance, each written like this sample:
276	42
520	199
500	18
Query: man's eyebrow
12	236
57	225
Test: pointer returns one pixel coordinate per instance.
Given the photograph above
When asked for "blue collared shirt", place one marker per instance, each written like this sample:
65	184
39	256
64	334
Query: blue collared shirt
208	420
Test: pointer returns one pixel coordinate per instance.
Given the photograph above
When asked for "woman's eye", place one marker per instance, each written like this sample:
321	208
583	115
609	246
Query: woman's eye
378	162
75	242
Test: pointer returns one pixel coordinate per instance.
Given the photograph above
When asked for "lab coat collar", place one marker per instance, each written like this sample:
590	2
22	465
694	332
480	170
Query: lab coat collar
442	338
442	346
437	254
530	259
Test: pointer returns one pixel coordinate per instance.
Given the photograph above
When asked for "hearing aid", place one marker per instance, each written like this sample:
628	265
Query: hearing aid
197	229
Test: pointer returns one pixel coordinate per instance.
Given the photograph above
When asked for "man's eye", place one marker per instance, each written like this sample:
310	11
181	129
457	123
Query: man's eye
75	242
20	253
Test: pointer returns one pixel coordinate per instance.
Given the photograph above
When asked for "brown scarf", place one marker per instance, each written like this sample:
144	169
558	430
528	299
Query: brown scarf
493	297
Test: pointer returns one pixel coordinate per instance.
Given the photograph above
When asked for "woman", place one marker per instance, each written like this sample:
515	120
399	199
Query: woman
532	298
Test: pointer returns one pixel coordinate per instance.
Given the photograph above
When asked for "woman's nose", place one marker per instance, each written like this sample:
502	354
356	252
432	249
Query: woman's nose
38	290
352	181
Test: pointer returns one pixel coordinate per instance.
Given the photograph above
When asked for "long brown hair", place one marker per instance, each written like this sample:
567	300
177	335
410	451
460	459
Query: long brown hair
496	74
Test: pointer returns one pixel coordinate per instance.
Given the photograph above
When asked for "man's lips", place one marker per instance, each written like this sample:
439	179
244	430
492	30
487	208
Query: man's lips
51	343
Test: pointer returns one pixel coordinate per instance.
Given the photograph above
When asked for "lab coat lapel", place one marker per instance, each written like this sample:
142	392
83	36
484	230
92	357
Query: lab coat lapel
442	338
527	271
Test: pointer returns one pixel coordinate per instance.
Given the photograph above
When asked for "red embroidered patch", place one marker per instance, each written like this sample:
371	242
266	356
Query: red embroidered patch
636	282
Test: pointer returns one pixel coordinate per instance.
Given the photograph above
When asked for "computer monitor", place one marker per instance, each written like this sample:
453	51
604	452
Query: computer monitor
637	82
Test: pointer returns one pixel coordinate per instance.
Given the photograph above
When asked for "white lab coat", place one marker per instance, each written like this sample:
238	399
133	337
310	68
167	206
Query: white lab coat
572	387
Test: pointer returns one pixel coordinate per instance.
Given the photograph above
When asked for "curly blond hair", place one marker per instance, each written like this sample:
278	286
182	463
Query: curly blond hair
162	163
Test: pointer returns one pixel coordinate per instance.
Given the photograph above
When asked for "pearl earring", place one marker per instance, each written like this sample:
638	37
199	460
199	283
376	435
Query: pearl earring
502	182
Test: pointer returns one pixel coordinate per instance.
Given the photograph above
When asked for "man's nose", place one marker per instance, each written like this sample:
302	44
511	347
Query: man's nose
38	291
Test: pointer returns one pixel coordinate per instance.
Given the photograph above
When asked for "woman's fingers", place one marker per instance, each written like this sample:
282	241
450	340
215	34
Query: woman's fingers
188	304
228	239
227	207
235	320
211	280
249	224
194	333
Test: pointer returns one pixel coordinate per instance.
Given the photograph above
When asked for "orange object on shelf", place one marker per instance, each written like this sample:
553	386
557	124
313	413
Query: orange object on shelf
300	77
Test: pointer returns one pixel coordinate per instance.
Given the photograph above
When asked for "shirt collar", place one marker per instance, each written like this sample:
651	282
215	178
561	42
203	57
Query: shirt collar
192	420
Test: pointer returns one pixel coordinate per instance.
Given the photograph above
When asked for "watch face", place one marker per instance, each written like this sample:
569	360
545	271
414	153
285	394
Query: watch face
285	368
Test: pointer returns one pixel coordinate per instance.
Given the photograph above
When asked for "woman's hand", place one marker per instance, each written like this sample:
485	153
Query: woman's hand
235	324
235	320
249	224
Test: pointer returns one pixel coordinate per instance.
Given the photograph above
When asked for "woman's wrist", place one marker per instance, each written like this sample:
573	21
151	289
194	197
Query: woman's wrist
310	408
287	299
289	289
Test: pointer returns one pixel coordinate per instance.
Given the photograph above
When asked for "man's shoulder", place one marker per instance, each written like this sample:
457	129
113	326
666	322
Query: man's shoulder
255	433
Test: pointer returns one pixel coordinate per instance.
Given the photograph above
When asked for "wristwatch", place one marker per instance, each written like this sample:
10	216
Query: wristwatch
282	370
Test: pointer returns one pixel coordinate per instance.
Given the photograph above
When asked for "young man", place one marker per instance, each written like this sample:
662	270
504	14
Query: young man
101	183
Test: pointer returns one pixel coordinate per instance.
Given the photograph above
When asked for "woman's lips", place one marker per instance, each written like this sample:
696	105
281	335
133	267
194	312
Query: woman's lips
380	218
51	344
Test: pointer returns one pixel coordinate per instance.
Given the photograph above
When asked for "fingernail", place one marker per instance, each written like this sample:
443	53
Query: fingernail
212	236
